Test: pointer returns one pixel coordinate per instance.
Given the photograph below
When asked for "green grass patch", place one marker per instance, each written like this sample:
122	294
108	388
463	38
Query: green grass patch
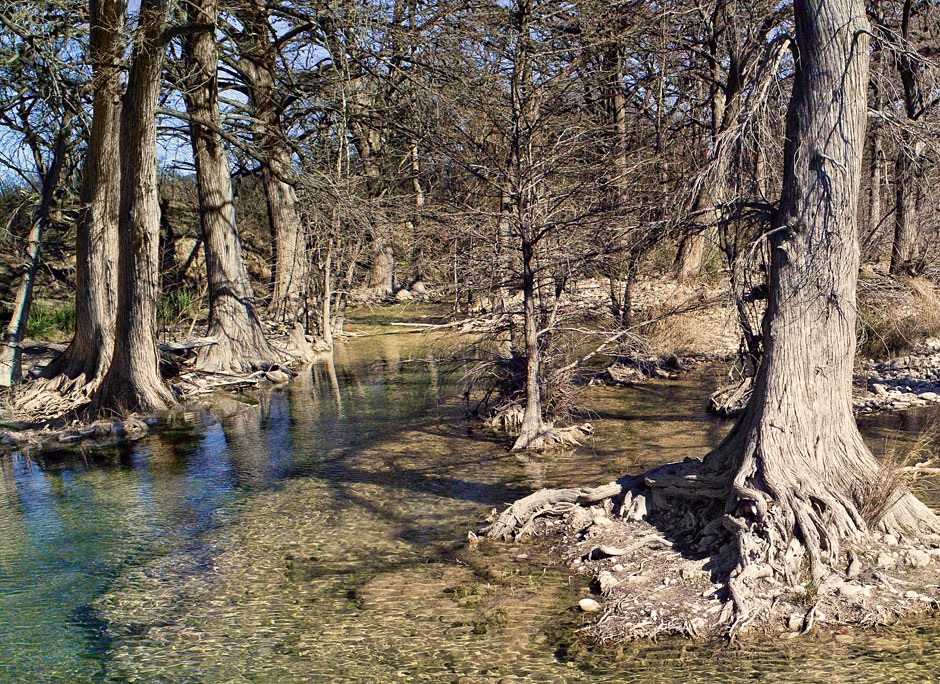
176	307
47	322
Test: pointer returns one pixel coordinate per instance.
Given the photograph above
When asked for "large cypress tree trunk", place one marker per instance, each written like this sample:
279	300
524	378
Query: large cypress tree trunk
799	464
290	245
133	381
233	318
793	480
86	359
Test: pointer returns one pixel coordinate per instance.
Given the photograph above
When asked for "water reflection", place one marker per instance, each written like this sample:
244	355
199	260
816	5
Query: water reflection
315	534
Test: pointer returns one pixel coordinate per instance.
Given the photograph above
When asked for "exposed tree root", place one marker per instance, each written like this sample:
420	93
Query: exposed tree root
730	400
680	550
507	419
511	420
547	436
300	349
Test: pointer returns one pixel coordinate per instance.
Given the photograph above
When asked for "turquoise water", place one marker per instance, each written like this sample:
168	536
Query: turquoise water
316	534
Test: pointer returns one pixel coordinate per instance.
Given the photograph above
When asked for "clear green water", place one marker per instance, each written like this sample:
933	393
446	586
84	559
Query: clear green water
319	537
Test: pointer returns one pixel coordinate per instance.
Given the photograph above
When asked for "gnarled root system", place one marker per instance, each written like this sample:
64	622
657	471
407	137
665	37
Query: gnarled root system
681	550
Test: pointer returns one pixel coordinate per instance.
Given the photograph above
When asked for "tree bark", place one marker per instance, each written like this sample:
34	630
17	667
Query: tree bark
233	317
799	464
11	371
326	317
290	244
906	178
907	167
691	256
877	152
620	263
86	359
133	381
418	258
532	423
370	144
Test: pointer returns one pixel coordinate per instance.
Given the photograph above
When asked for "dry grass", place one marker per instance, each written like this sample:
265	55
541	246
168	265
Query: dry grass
896	315
897	473
688	325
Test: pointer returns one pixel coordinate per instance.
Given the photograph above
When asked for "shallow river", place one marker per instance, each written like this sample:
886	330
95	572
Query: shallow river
318	536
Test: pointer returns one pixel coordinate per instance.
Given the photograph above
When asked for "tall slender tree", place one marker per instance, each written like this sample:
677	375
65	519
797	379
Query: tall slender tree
257	64
907	167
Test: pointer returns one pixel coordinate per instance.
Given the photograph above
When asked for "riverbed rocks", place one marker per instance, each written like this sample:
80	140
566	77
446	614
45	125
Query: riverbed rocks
589	605
639	368
647	586
899	384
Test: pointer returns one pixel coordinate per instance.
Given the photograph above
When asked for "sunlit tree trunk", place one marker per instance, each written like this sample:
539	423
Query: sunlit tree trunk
908	165
259	59
233	318
133	381
86	358
799	464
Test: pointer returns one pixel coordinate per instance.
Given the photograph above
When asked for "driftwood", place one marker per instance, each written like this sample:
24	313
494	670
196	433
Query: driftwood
187	345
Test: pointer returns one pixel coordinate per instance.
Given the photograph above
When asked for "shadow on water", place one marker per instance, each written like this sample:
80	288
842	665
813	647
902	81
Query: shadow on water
315	533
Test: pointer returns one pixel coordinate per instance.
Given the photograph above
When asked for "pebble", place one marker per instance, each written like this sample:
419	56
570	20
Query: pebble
607	581
851	590
589	605
902	383
890	540
886	560
277	376
917	559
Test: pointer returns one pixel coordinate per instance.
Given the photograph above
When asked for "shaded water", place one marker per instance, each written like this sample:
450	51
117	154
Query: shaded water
318	537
